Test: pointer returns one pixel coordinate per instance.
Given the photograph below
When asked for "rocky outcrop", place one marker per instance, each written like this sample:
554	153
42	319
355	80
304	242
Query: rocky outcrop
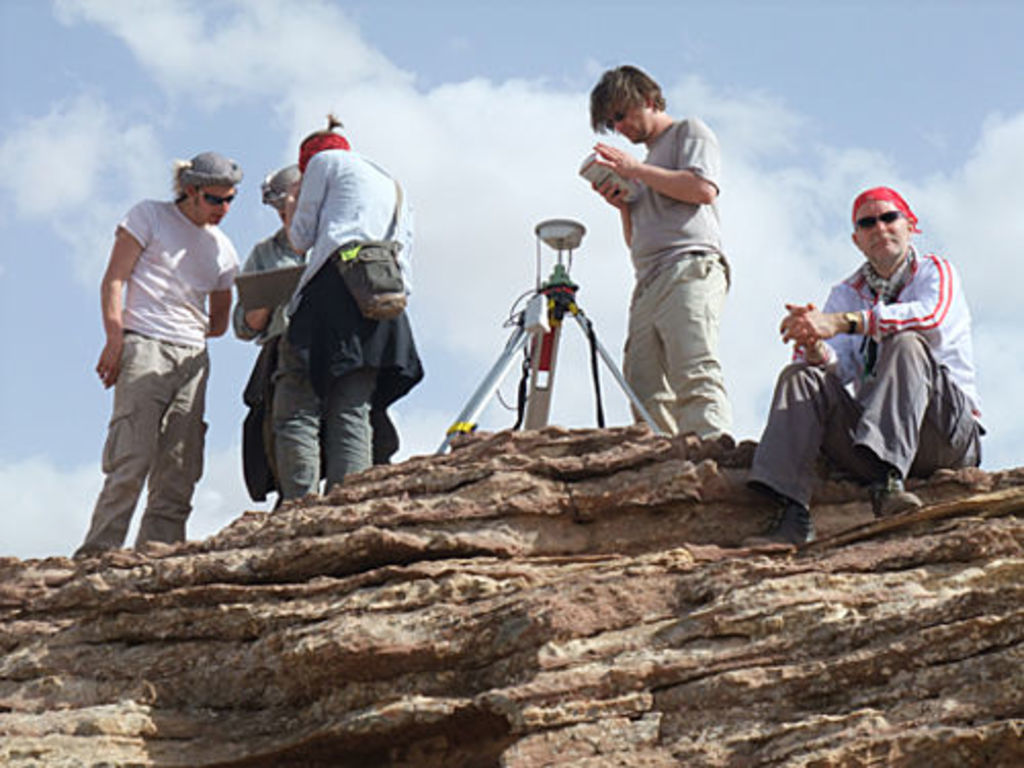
572	598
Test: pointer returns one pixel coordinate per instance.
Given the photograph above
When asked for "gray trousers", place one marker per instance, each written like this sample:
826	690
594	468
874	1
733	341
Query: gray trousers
909	415
156	436
296	419
348	434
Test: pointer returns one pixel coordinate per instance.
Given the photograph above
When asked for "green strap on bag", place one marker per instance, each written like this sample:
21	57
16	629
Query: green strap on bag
350	254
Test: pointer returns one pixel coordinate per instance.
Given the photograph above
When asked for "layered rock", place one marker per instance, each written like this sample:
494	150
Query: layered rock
531	599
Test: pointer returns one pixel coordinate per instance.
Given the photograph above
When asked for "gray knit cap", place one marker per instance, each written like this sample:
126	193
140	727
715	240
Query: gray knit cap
209	169
275	186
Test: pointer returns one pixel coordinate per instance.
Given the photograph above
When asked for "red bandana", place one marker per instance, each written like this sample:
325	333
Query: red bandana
889	195
318	144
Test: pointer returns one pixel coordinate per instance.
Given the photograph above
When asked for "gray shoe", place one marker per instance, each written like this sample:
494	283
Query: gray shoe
792	526
889	497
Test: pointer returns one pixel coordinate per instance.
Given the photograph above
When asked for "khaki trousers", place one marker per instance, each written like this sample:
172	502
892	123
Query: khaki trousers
671	354
156	434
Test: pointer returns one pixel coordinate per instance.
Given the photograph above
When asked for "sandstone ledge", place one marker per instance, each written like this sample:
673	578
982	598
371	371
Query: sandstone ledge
539	598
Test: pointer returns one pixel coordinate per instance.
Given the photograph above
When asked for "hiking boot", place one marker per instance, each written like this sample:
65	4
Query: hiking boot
889	497
791	526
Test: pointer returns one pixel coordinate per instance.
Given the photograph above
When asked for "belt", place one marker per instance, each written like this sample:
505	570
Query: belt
130	332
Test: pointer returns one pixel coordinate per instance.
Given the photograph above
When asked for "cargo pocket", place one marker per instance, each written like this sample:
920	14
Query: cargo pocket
120	443
960	427
696	268
130	351
194	453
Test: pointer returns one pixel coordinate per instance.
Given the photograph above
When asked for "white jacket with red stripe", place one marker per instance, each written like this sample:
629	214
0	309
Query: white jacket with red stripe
931	303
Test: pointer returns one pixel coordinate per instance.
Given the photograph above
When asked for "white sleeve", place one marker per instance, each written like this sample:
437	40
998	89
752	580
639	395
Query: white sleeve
305	220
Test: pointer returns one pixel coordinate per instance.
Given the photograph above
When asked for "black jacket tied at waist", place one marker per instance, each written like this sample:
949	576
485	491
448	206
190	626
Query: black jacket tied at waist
338	339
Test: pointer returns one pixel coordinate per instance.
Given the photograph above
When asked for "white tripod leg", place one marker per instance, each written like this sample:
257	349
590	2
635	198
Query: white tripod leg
466	421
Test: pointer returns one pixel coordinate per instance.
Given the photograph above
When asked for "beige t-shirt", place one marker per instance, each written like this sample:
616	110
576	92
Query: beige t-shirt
665	229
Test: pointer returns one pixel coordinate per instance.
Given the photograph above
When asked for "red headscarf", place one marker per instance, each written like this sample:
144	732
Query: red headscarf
889	195
319	143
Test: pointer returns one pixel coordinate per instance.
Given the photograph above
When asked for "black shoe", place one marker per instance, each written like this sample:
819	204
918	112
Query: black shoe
792	526
889	498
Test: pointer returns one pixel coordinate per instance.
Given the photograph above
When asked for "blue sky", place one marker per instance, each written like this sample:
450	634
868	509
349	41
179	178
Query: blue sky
481	110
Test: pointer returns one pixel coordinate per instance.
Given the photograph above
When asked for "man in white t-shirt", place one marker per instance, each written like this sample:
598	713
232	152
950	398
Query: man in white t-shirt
167	289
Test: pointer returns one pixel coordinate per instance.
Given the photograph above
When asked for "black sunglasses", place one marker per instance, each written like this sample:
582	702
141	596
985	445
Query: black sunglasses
217	199
867	222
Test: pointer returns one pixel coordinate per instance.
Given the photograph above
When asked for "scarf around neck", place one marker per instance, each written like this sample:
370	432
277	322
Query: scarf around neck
886	289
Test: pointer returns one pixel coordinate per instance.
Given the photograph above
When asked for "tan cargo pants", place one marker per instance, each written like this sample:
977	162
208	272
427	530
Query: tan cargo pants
671	354
156	434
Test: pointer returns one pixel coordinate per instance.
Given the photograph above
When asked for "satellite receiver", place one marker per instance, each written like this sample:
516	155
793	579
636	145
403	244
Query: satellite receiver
561	234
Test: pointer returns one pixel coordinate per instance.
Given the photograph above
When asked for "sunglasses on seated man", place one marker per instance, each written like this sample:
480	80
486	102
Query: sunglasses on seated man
867	222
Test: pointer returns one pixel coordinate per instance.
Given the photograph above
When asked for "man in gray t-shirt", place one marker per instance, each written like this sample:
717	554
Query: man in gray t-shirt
670	221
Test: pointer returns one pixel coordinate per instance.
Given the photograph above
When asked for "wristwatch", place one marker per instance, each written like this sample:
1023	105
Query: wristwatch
852	319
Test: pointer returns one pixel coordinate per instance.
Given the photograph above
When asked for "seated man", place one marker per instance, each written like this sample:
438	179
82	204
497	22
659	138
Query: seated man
899	331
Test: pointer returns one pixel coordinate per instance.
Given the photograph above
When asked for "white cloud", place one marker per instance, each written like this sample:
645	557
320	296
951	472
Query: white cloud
483	162
1000	372
47	508
235	50
973	215
62	145
79	168
755	125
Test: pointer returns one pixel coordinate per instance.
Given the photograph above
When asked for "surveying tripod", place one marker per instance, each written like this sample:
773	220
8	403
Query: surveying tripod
540	324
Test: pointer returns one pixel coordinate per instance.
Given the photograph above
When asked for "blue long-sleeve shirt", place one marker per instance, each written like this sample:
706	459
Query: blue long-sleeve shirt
346	197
